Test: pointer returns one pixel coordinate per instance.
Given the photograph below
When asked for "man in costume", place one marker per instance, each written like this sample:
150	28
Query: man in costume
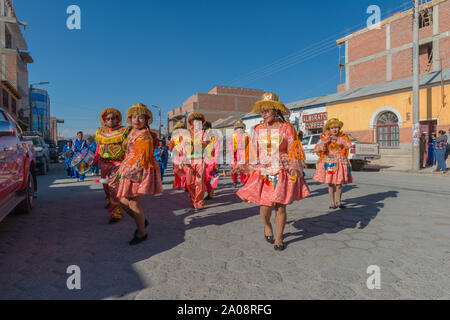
109	154
68	153
78	146
238	148
176	148
193	159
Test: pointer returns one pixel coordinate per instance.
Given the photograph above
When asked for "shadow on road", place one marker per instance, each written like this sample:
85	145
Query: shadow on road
358	214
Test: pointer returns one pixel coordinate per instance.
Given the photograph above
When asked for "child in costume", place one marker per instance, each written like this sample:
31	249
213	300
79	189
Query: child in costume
139	173
238	147
194	164
109	155
162	156
211	157
68	153
176	148
334	167
275	172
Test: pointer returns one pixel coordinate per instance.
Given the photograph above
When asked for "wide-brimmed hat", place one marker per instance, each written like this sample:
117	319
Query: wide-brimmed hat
196	116
272	101
107	111
334	122
139	108
179	125
239	125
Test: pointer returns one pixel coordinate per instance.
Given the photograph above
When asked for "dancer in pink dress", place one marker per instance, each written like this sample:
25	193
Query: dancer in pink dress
275	172
139	173
334	167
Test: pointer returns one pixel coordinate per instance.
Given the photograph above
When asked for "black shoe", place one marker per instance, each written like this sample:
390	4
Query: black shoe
269	239
137	240
331	207
235	185
146	225
208	197
114	220
279	248
342	206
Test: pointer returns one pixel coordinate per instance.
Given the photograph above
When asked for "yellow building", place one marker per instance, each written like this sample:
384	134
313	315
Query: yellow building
383	113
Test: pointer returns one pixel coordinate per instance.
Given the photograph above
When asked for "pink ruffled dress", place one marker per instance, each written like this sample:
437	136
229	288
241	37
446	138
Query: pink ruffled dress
139	173
334	166
272	154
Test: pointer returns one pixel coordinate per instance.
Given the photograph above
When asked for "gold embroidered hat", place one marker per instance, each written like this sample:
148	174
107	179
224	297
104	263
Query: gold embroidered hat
239	125
179	125
139	108
272	101
107	111
334	122
196	116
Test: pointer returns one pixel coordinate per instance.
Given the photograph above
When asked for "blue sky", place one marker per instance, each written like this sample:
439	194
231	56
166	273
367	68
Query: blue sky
162	52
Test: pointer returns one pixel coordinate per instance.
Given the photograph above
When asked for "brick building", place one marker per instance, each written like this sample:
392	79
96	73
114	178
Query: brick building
14	59
219	103
385	54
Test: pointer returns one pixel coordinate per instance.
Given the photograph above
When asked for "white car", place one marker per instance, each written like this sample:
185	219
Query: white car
360	154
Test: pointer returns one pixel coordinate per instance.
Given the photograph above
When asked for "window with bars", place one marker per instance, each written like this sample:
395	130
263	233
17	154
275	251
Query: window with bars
387	130
425	17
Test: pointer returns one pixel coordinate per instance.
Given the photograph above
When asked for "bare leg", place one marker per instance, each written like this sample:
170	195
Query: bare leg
339	194
266	213
139	216
125	204
280	221
331	193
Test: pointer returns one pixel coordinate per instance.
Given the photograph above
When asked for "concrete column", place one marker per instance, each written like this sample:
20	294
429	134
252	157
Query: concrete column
389	55
436	53
347	68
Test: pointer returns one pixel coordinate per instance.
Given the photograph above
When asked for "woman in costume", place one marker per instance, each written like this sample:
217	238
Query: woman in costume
334	167
176	148
275	173
109	155
139	173
237	147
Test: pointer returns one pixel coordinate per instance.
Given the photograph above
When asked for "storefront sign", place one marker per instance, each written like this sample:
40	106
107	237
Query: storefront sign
315	120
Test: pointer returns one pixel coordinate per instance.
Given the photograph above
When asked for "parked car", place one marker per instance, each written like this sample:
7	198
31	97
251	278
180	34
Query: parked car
41	149
52	150
359	155
18	182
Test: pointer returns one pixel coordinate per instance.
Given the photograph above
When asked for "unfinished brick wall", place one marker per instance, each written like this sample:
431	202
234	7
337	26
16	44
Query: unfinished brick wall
367	44
402	64
367	73
444	50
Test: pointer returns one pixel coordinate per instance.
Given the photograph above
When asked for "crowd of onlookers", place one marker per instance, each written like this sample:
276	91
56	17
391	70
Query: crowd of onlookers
434	150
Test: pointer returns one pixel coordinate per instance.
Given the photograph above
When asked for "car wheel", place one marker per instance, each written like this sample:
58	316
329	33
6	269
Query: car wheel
26	205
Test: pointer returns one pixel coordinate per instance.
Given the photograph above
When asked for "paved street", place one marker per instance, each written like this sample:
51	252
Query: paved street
399	222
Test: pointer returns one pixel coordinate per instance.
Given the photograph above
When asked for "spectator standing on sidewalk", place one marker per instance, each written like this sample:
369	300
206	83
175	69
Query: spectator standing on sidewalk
431	158
448	145
441	147
423	149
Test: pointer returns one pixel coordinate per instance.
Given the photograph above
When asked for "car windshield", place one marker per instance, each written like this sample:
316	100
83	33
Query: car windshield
305	141
36	141
315	139
352	138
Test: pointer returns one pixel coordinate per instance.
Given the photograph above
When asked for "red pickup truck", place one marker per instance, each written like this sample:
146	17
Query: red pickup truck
18	182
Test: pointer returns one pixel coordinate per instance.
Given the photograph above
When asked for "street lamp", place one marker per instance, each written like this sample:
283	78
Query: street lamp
31	101
159	109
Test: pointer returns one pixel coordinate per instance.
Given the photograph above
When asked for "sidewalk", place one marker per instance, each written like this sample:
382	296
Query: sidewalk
405	169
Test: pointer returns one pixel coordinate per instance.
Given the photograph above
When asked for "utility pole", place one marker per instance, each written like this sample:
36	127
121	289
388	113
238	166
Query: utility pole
159	109
416	126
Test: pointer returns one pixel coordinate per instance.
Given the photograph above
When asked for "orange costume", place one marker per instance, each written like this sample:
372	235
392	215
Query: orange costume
272	155
211	162
109	154
139	173
176	148
238	147
334	166
193	159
